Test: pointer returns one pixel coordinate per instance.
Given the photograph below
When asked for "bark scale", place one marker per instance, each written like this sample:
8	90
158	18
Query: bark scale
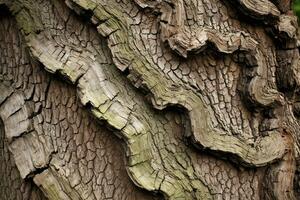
203	97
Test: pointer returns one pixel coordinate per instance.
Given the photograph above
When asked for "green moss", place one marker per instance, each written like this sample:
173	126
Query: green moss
26	16
23	19
297	7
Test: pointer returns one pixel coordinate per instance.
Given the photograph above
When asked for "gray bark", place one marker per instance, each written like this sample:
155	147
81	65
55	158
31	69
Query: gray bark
140	99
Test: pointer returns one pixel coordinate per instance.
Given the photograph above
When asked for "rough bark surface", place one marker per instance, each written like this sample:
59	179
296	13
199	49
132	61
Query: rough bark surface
149	99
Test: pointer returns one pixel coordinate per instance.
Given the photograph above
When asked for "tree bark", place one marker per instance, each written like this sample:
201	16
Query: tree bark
149	99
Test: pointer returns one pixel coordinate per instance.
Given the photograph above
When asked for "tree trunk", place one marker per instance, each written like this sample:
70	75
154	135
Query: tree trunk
149	99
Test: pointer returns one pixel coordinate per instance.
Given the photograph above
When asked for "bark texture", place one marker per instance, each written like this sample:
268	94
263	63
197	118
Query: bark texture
149	99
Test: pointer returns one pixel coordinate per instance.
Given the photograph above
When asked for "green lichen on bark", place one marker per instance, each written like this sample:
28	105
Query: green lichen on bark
156	160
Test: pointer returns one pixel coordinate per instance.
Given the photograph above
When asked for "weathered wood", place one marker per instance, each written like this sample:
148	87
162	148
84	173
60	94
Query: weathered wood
165	77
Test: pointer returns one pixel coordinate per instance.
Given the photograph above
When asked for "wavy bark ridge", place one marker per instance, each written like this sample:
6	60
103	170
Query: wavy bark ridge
109	101
126	55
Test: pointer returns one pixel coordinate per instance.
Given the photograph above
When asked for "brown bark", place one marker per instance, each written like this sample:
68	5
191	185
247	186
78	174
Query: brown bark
141	99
